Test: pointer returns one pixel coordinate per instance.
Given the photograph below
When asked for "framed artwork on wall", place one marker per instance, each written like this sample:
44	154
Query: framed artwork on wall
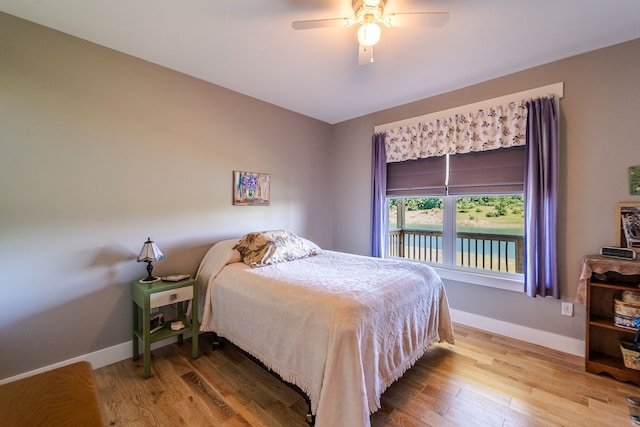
634	180
251	189
628	225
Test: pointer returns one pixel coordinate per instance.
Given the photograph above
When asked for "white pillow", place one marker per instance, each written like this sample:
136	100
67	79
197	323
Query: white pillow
270	247
311	244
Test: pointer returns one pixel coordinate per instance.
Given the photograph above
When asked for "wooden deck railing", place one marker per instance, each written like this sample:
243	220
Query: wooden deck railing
499	252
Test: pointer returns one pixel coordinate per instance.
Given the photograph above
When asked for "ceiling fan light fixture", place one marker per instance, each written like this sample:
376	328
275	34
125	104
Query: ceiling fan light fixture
369	16
369	34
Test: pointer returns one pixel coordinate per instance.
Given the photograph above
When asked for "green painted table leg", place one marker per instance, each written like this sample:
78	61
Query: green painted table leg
146	327
180	316
194	325
136	354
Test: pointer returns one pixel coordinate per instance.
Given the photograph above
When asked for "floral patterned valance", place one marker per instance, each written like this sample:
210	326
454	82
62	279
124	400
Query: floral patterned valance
487	129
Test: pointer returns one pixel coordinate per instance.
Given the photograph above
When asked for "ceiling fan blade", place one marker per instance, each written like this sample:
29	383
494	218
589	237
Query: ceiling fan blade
417	19
365	55
321	23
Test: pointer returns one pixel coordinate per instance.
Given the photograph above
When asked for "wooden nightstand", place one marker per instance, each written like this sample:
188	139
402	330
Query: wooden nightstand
157	294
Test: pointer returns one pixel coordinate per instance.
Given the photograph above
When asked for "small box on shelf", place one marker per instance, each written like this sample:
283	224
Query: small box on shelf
630	354
157	322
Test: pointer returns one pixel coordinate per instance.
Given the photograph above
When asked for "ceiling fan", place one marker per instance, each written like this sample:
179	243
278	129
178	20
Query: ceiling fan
369	14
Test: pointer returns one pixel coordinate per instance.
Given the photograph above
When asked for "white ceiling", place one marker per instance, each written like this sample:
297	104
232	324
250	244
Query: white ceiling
250	47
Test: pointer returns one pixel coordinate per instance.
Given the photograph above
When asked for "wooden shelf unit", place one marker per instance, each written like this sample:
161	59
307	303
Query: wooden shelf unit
603	337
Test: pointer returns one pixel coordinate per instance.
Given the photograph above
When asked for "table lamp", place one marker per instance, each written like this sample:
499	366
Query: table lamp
150	252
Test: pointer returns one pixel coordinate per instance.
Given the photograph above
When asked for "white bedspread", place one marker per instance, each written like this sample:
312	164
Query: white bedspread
341	327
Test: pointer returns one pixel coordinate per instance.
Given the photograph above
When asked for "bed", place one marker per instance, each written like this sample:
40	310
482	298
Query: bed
340	327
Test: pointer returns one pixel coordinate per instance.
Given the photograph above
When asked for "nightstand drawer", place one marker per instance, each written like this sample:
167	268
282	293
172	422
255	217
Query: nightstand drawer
158	299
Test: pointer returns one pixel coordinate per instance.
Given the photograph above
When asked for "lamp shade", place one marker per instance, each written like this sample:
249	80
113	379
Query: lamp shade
150	252
369	34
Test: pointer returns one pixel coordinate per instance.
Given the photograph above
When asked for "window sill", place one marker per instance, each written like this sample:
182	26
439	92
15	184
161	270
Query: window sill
505	281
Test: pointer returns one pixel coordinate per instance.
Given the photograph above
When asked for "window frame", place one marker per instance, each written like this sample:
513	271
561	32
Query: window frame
448	268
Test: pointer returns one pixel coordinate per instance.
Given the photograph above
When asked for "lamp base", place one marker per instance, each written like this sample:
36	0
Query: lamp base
149	278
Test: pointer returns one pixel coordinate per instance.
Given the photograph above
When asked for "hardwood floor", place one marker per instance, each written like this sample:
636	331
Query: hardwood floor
482	380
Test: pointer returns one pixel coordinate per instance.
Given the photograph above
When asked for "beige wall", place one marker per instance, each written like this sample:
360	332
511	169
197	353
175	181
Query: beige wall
598	141
98	151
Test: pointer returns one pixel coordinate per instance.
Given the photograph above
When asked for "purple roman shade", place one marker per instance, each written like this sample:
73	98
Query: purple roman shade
498	171
420	177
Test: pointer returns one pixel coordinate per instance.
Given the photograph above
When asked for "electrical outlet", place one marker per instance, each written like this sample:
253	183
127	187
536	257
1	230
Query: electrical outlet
567	309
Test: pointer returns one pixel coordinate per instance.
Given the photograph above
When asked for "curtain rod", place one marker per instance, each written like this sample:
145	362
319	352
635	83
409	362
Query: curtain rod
556	89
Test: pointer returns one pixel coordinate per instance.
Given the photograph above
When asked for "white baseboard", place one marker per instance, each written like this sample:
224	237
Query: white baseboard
534	336
123	351
98	359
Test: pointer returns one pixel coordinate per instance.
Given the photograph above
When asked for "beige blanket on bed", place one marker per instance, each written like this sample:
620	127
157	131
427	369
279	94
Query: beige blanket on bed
341	327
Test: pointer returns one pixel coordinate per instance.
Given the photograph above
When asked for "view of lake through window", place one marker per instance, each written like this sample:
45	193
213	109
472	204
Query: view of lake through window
488	230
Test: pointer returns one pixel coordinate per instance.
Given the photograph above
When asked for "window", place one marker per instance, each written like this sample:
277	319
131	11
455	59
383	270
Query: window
480	233
463	213
469	132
